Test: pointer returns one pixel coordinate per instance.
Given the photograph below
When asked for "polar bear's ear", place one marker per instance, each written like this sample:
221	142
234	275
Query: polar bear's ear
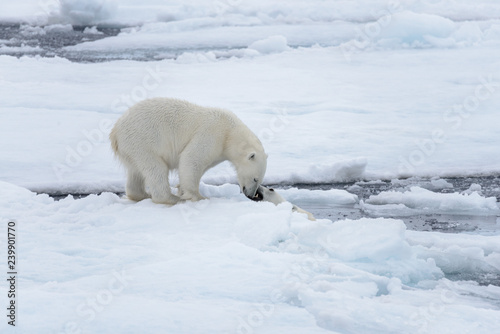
251	156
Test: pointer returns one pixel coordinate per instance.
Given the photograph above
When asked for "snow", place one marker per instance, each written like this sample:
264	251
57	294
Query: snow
271	44
16	49
442	184
418	200
92	30
454	253
332	196
345	138
411	28
86	12
337	91
473	188
291	12
106	264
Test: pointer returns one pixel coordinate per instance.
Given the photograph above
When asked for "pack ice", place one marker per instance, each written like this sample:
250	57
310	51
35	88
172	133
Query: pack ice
106	264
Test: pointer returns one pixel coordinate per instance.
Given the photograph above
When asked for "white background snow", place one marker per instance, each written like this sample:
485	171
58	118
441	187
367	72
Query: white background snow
336	90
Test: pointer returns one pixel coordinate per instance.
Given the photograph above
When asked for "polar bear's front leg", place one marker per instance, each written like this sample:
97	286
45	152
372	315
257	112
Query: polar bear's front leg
190	173
189	188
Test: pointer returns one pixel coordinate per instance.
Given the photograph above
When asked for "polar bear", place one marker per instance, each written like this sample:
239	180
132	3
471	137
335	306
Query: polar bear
270	195
159	135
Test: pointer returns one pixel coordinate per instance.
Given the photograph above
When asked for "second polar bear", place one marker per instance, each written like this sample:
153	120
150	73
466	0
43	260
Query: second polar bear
158	135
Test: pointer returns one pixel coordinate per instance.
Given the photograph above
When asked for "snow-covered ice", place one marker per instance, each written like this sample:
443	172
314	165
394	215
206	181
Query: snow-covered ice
316	115
290	70
418	200
338	91
105	264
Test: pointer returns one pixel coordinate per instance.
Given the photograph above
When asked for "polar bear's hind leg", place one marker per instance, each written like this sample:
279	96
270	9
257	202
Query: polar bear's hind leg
155	172
135	186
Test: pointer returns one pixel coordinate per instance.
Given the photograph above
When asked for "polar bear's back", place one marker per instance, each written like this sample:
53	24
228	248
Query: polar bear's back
167	125
171	114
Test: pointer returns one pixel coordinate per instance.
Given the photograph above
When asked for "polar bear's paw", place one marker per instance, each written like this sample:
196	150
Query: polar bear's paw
137	197
168	200
191	196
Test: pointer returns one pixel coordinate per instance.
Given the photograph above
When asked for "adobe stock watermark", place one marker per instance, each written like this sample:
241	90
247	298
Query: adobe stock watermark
89	310
277	123
365	36
255	319
92	138
453	119
190	210
431	312
75	154
151	81
291	279
222	6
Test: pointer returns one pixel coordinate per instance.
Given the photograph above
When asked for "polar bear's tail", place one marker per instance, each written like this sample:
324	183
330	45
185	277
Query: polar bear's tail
114	141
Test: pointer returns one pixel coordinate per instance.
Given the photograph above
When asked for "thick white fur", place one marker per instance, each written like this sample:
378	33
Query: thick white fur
158	135
271	195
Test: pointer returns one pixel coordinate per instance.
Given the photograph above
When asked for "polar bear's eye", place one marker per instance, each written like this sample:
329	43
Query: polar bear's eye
271	189
255	180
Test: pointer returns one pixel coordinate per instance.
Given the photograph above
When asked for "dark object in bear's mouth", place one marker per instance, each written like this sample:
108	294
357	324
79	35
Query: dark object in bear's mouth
259	196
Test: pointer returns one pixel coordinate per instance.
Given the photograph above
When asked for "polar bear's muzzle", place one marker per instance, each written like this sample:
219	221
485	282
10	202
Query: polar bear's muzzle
253	194
259	195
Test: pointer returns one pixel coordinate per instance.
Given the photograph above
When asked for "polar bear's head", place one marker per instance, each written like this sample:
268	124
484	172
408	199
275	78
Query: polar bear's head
251	169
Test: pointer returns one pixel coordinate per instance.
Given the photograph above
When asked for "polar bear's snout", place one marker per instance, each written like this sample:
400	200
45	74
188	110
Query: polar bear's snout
252	192
259	195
